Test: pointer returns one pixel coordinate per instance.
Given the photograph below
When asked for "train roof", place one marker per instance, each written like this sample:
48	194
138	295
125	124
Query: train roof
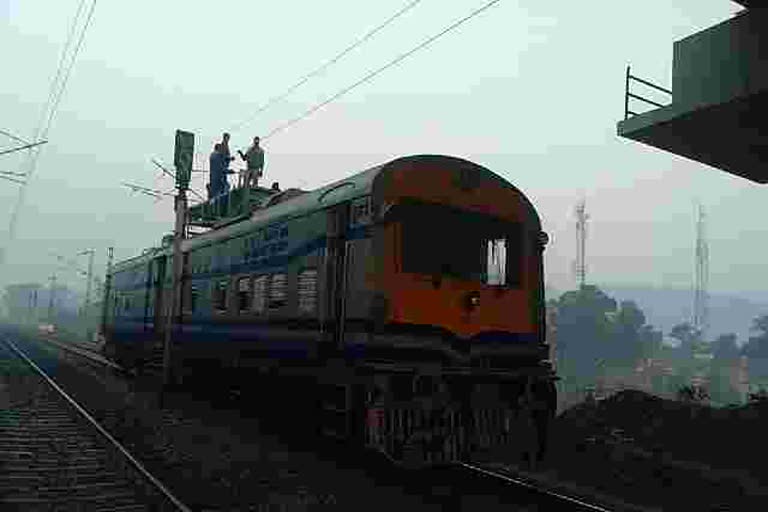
351	187
357	185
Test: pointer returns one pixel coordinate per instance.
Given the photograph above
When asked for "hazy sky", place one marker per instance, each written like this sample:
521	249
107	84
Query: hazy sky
533	90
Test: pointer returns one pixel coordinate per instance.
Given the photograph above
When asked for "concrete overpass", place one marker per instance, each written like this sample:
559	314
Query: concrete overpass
716	112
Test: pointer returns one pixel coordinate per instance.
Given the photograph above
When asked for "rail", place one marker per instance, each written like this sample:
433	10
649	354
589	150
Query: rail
571	501
86	353
114	442
628	94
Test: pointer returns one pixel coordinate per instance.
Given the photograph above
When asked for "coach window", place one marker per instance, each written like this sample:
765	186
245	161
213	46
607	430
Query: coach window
307	285
244	294
278	288
220	296
260	293
190	297
194	295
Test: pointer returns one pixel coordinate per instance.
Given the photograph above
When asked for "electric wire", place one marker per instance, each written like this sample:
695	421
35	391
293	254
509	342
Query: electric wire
326	65
378	71
13	137
59	68
34	154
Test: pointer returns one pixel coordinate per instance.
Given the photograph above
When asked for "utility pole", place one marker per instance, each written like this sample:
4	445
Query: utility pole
174	312
90	253
107	290
29	307
51	297
183	154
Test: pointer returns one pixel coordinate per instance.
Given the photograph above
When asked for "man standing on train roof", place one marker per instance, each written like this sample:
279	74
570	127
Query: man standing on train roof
225	148
218	169
254	157
226	154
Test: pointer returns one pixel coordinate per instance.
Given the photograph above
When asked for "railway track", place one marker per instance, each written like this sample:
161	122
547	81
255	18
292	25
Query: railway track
55	456
464	483
548	498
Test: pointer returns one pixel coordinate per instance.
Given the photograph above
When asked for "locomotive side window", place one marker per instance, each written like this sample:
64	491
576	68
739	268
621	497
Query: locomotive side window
278	291
308	291
514	260
260	294
497	262
244	294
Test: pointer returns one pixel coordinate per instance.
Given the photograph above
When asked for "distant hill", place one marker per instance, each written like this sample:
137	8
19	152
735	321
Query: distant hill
664	308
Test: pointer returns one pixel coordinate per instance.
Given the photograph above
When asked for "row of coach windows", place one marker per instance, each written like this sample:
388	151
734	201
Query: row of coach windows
262	293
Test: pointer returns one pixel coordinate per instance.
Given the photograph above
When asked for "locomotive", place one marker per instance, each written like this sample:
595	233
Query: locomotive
405	303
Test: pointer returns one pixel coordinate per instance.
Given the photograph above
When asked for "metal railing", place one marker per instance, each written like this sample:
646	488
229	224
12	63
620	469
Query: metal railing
627	94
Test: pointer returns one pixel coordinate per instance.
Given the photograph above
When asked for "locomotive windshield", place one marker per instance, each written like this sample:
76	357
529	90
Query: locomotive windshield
441	240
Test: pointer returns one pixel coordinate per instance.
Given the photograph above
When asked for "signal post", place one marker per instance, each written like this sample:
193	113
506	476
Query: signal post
184	148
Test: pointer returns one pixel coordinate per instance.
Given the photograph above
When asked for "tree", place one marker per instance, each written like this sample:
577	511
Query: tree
685	334
651	342
596	337
628	323
725	352
725	348
757	346
756	349
583	330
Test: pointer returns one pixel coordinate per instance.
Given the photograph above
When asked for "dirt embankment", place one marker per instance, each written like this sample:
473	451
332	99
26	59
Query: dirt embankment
656	450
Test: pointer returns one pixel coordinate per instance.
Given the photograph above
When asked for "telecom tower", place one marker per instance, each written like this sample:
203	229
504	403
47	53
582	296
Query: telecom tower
700	295
581	242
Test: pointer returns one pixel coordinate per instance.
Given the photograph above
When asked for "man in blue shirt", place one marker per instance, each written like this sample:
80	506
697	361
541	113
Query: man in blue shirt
218	168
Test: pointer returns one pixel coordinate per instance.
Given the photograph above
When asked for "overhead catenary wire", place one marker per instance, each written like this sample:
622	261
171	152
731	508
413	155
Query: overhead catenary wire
11	173
380	70
304	79
68	73
15	180
54	100
13	137
55	81
25	146
173	176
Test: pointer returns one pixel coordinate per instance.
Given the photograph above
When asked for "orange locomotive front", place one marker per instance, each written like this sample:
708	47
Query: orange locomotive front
459	314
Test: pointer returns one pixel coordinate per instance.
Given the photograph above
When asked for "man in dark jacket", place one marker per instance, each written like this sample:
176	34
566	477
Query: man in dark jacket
218	168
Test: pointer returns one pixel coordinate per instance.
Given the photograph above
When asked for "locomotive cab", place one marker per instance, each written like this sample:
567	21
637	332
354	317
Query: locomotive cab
461	256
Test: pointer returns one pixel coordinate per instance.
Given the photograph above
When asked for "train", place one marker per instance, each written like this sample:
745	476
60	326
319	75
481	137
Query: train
404	303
